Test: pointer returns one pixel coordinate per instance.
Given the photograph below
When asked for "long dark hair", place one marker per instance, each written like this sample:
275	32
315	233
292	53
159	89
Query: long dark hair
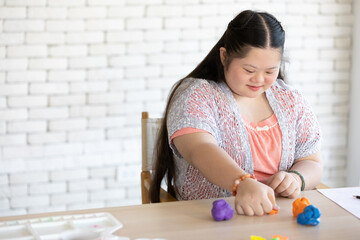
247	30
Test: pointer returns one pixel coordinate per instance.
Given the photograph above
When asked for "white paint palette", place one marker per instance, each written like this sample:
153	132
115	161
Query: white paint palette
97	226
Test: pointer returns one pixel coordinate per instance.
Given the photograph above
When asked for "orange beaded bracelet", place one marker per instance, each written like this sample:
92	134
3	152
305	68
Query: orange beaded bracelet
242	178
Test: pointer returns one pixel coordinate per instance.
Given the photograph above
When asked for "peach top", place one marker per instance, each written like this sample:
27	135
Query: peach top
265	141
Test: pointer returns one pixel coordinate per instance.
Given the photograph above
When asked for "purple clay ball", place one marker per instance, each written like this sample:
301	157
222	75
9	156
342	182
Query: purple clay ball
221	210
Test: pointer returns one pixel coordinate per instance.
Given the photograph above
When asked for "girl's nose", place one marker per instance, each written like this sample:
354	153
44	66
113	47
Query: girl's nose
258	77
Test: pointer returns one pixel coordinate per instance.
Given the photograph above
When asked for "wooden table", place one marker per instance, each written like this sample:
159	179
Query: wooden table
193	220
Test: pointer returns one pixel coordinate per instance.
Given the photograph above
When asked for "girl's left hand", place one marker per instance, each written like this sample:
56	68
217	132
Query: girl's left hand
285	184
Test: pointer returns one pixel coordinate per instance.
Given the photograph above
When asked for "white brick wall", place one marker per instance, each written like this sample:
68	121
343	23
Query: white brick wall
75	75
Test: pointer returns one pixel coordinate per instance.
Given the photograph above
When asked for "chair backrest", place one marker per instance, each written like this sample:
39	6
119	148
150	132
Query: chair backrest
149	131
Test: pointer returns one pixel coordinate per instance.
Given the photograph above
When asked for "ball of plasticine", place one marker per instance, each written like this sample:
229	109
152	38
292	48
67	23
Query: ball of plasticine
310	216
221	210
299	205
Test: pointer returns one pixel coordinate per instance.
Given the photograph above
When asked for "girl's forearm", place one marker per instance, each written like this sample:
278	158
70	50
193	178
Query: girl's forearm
215	165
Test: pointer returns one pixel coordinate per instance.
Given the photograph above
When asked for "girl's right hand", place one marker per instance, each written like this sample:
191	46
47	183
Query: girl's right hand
254	198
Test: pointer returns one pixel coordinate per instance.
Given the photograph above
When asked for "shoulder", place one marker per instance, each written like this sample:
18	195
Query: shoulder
199	83
283	86
191	86
285	91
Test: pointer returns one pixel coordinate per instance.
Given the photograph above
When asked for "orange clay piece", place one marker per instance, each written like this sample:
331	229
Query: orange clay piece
299	205
280	237
272	212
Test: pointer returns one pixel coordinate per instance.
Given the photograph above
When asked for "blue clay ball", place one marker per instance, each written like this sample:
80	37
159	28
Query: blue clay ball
310	216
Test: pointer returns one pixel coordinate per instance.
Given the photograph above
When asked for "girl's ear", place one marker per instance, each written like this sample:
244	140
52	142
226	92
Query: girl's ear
223	55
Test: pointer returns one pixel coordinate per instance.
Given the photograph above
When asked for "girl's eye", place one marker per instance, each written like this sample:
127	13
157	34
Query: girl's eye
269	73
249	71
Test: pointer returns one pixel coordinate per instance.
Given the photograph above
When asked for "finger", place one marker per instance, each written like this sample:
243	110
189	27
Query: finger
288	195
239	209
297	179
283	186
290	190
295	193
271	197
258	209
267	206
248	210
276	181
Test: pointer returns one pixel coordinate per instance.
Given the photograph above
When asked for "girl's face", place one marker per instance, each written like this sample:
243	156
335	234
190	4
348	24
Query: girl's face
252	75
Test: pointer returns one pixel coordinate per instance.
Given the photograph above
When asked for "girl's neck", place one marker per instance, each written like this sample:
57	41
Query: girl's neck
254	109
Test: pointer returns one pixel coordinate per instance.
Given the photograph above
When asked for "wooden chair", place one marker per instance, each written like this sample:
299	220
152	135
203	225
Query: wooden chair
149	130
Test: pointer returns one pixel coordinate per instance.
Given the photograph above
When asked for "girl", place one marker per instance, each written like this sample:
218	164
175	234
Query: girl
233	126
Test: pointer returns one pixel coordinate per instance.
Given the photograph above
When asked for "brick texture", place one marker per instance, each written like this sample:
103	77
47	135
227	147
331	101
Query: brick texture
75	75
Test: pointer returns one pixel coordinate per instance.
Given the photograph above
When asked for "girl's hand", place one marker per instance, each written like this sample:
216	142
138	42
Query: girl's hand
285	184
254	198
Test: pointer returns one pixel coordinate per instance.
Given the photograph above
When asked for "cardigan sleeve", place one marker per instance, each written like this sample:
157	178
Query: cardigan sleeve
308	133
192	106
